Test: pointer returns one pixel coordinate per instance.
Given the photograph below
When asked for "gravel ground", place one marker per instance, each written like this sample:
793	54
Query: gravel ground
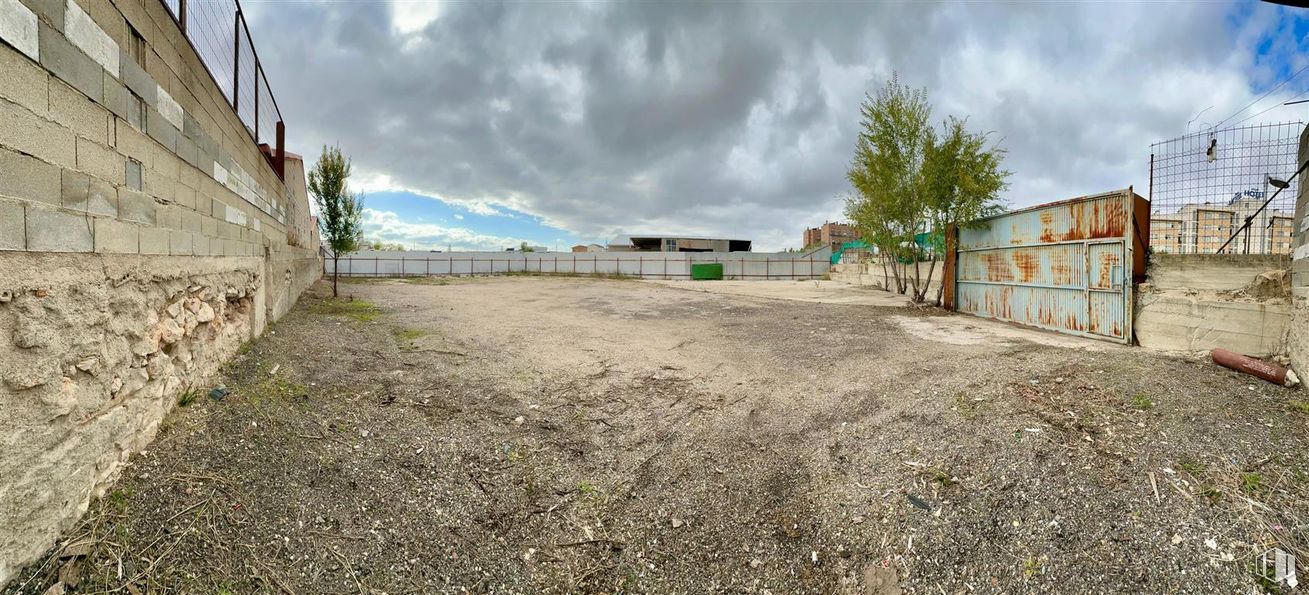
550	435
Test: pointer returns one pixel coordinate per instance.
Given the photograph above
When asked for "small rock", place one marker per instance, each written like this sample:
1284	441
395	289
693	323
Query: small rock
1177	539
174	309
172	332
1211	543
518	421
857	520
205	313
677	523
1059	380
88	364
363	433
756	563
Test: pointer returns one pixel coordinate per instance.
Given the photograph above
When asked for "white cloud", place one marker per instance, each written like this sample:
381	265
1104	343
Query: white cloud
390	227
738	119
411	16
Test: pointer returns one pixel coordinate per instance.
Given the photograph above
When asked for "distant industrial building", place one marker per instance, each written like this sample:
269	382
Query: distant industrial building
830	234
669	243
588	248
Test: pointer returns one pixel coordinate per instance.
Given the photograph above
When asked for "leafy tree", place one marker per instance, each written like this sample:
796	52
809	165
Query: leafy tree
908	179
525	248
962	180
380	246
340	211
886	174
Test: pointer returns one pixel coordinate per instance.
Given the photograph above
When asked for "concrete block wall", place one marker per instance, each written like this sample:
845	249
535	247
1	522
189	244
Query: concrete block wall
1298	338
143	237
1198	302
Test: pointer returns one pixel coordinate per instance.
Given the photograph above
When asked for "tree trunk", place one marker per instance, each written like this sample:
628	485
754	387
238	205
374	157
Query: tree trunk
336	272
895	270
922	297
940	287
919	290
886	275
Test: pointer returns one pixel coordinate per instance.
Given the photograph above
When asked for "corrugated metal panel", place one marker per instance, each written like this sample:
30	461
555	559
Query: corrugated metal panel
1059	266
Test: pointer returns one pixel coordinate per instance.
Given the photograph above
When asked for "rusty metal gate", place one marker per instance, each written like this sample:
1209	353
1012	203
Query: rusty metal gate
1065	266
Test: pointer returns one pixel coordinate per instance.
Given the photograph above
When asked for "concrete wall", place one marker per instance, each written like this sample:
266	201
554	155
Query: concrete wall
870	273
1197	302
650	265
138	248
1298	339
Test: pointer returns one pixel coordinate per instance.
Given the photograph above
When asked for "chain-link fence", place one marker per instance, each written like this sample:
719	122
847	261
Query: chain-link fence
1204	186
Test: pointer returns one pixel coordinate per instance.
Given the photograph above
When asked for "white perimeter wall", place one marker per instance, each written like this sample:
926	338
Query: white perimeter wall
650	265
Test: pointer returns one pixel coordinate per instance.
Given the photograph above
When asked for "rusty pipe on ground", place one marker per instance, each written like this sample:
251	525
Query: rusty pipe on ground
1273	373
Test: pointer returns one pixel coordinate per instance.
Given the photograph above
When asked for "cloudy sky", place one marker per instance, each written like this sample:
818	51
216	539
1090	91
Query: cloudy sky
478	125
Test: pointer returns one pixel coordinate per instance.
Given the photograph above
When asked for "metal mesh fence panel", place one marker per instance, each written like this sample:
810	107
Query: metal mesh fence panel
1205	185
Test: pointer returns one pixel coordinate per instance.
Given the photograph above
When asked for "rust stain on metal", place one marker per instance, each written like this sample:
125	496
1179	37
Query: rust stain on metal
997	268
1104	269
1029	265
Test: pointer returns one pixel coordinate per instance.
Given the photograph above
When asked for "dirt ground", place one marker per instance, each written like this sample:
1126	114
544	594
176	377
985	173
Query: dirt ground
561	435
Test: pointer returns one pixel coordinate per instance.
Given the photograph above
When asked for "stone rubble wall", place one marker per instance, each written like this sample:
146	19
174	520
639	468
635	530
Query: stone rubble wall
143	238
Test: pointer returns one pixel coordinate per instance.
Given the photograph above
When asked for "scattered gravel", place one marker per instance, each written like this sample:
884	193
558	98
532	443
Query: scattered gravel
541	435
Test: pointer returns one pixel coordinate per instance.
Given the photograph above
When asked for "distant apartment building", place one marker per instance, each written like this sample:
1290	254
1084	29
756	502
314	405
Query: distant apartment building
830	234
1204	228
1166	234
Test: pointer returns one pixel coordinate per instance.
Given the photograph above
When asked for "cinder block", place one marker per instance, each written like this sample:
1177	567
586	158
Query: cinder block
132	143
70	64
13	226
184	195
116	95
51	230
132	173
169	216
100	161
170	109
160	129
136	206
91	195
160	185
200	245
236	216
137	80
188	151
24	81
190	127
83	32
209	226
154	241
25	131
18	27
117	237
72	109
27	178
179	243
50	11
192	221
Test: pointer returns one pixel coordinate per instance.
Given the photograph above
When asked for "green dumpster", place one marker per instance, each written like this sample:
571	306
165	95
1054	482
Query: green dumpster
707	271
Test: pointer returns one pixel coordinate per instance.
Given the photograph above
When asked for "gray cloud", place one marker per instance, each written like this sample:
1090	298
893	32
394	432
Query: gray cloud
739	118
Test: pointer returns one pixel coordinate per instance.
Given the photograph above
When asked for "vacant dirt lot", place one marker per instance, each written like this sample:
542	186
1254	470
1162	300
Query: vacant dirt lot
557	435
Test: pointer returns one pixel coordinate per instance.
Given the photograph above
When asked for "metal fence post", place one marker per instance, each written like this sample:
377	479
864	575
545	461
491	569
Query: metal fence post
236	65
181	15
